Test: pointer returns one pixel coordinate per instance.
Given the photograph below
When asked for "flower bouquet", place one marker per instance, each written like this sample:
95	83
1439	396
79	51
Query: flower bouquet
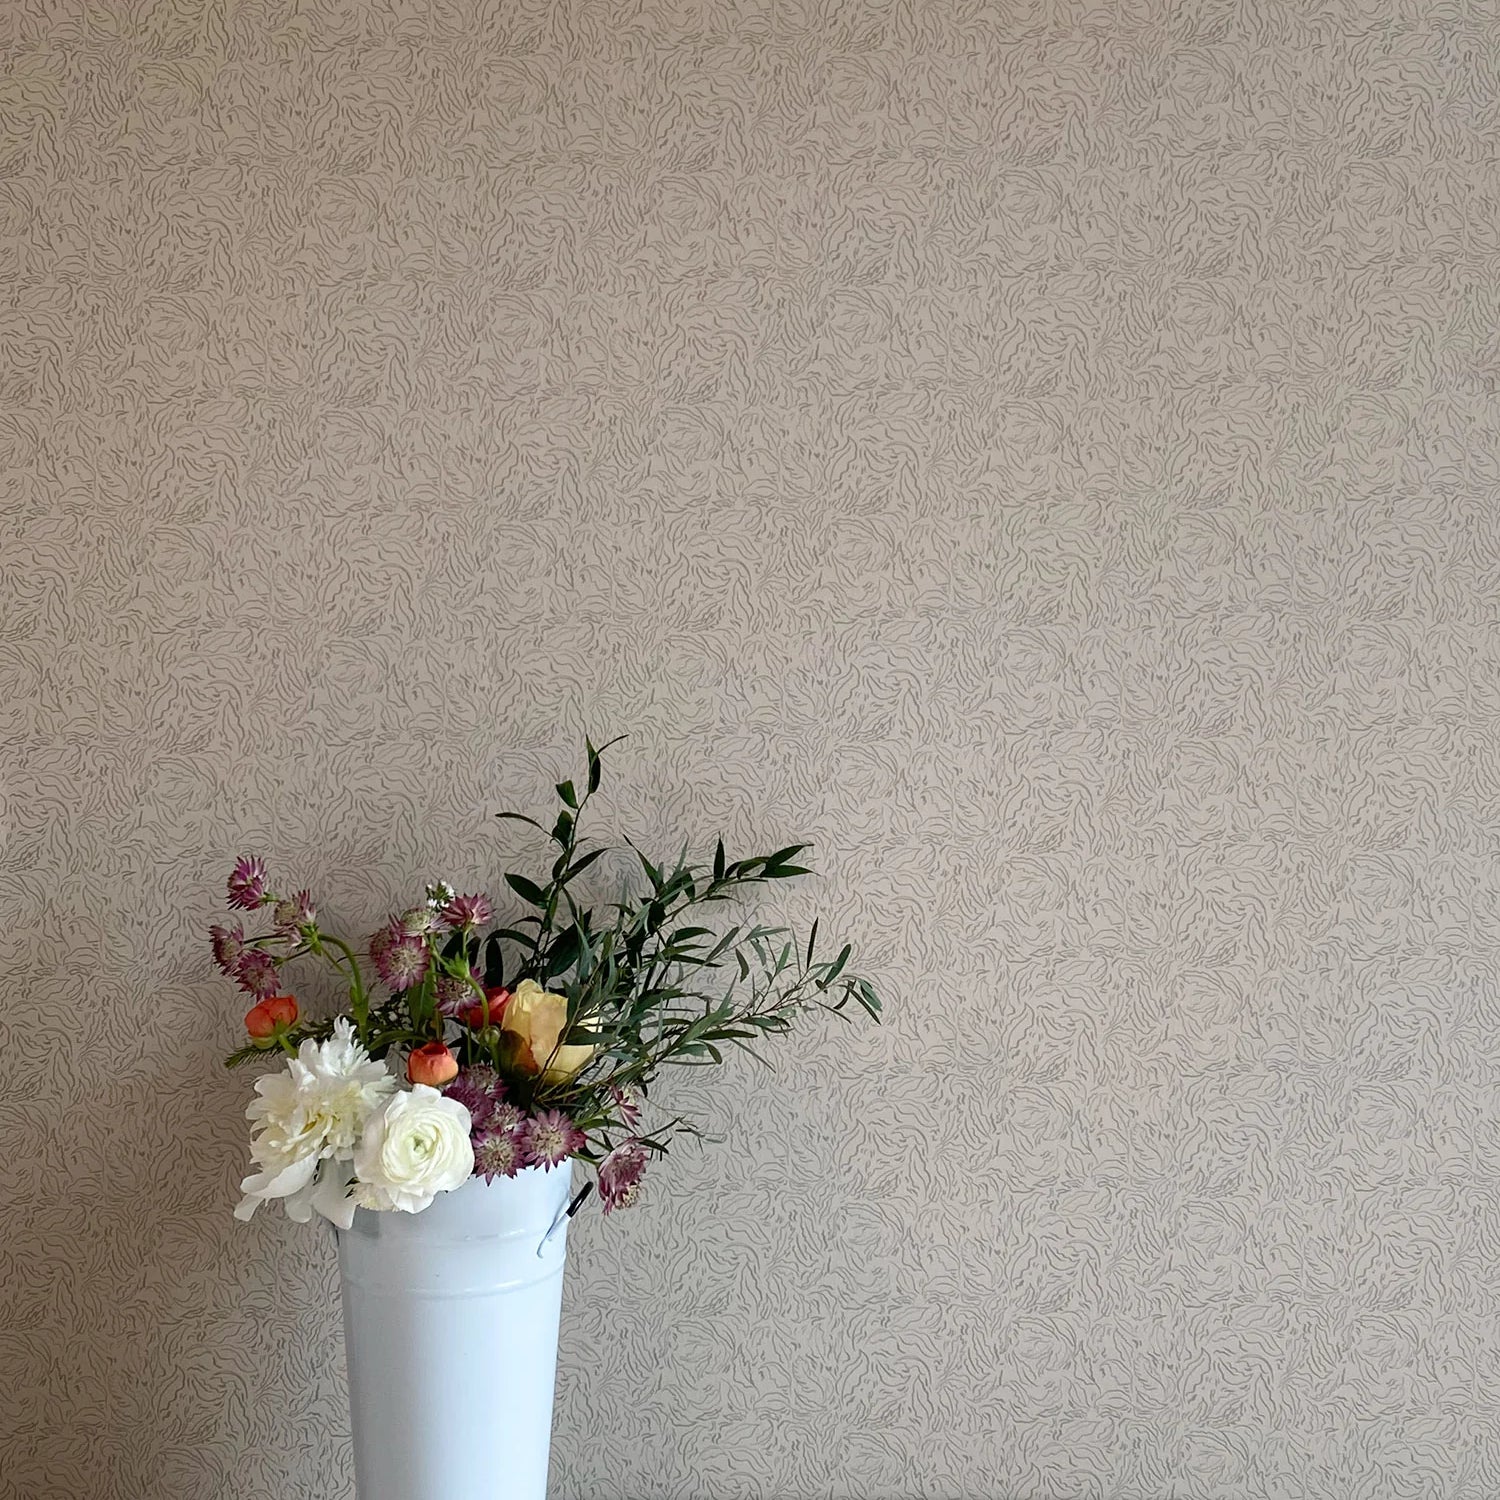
474	1062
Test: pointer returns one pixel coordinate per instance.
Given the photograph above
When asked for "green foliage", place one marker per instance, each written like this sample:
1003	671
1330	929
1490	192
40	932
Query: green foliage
653	979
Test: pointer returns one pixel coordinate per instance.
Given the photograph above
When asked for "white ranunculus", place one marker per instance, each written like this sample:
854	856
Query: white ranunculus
311	1113
415	1146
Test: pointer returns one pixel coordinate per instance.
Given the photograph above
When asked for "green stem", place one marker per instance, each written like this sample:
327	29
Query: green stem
357	984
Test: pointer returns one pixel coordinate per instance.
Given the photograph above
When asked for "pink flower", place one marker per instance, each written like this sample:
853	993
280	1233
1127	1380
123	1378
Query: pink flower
625	1198
627	1106
451	993
479	1090
256	972
498	1153
620	1175
228	944
298	911
247	884
467	911
550	1138
400	960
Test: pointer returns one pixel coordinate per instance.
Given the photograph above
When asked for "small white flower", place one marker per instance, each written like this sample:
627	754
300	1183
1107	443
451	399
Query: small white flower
415	1146
312	1112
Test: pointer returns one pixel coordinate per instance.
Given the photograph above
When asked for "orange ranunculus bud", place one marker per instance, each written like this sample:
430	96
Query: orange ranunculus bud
471	1013
271	1016
432	1064
283	1009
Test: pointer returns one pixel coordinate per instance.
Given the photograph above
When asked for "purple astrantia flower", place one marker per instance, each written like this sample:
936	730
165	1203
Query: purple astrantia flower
627	1106
451	994
380	942
498	1153
400	960
416	922
228	944
479	1090
297	911
620	1175
550	1138
247	884
467	911
256	972
625	1198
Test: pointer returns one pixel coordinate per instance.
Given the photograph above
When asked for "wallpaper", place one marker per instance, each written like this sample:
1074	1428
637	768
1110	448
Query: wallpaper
1044	452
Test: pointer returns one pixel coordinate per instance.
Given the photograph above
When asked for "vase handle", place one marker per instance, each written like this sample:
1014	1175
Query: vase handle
557	1223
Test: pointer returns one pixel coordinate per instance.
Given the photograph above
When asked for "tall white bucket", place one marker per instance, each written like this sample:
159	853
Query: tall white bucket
450	1333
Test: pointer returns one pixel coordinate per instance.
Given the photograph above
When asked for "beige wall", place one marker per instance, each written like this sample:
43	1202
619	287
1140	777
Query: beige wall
1046	453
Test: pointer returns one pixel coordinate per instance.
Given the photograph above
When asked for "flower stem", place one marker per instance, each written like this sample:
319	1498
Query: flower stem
360	1002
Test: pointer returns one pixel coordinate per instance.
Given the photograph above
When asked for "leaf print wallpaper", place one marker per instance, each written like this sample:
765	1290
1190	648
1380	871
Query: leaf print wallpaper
1047	451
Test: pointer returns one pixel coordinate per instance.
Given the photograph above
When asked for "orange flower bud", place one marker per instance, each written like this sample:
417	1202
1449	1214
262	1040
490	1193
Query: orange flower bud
432	1064
271	1016
258	1023
283	1009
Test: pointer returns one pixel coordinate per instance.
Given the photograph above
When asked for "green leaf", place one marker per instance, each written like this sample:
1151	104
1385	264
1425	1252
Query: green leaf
718	861
494	960
581	864
724	942
526	889
514	934
594	755
516	817
781	856
562	830
568	795
564	952
812	938
837	968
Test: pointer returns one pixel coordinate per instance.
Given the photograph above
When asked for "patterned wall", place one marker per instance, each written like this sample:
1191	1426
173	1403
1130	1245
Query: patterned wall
1045	452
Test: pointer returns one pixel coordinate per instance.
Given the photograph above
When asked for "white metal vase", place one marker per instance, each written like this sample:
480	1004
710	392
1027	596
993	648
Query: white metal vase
450	1333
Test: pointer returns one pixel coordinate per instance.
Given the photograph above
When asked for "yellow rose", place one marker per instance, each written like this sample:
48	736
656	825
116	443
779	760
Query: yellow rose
536	1018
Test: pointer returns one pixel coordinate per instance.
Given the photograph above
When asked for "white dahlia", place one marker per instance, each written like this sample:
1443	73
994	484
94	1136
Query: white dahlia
313	1112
